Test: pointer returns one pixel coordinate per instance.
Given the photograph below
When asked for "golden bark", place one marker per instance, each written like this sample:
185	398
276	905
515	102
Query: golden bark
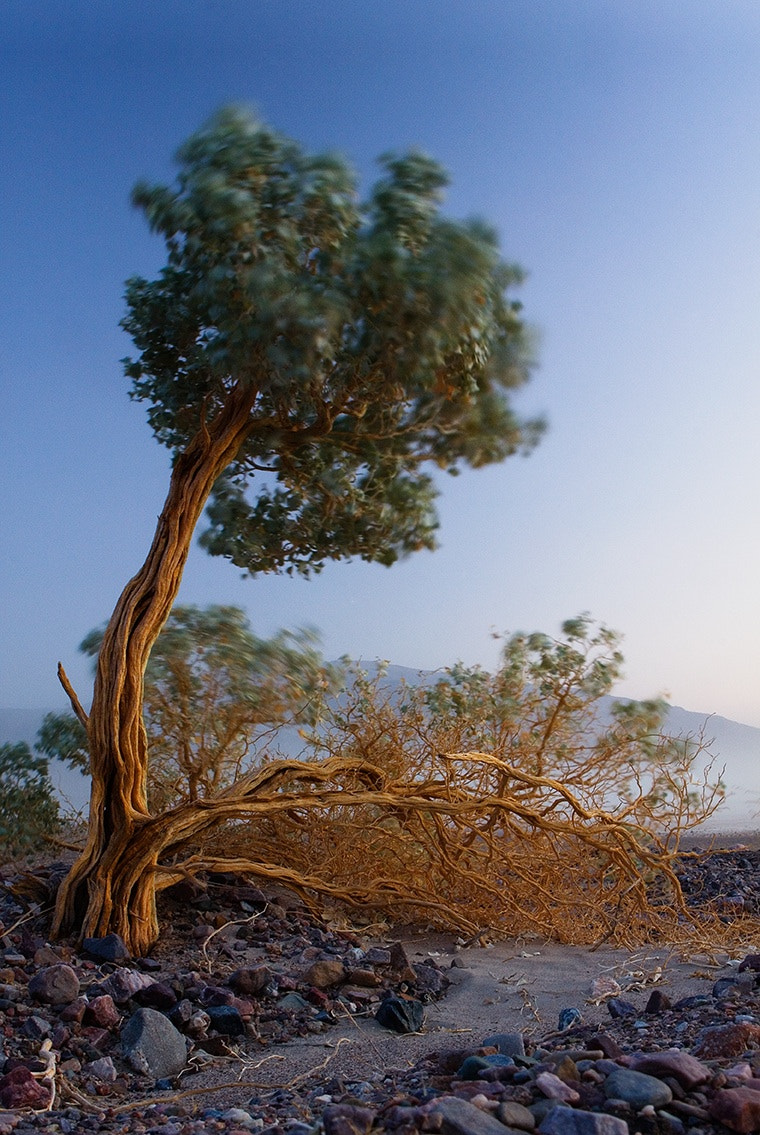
111	886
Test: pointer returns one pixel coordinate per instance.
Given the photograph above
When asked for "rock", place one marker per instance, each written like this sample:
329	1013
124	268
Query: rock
102	1011
571	1121
74	1011
737	1108
606	1044
102	1069
46	956
726	1040
637	1088
151	1044
156	995
124	983
226	1020
294	1002
244	1119
658	1002
751	962
112	948
683	1067
365	978
400	1014
18	1088
568	1018
347	1119
725	986
513	1114
556	1089
430	980
377	956
509	1044
36	1028
324	973
462	1118
472	1067
399	963
250	981
54	985
617	1007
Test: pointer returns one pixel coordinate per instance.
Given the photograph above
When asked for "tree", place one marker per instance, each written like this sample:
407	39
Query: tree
310	361
215	695
28	809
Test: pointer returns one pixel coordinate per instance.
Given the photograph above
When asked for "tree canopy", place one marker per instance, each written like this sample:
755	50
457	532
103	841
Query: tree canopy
373	341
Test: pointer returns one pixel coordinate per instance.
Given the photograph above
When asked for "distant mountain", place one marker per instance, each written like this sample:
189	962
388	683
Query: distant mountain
734	745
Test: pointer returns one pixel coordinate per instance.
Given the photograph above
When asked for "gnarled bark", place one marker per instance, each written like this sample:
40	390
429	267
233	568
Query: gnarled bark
110	887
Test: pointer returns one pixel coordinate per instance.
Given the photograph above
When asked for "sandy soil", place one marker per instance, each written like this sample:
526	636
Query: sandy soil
509	987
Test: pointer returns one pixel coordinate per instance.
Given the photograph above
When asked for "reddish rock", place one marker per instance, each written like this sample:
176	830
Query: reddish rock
101	1011
737	1108
730	1040
74	1011
683	1067
19	1088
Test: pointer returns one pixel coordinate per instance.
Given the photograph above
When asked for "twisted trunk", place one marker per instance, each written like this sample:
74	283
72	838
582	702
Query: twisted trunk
111	887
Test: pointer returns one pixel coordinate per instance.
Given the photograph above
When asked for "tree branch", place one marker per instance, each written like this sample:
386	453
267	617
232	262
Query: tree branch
76	705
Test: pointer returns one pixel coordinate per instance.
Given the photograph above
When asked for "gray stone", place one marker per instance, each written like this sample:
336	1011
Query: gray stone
55	985
109	949
509	1044
637	1089
571	1121
401	1014
463	1118
151	1044
102	1069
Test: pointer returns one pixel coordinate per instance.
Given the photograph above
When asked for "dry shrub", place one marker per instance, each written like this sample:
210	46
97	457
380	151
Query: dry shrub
516	803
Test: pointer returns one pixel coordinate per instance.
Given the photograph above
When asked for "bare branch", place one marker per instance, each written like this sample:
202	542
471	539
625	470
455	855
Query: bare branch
76	705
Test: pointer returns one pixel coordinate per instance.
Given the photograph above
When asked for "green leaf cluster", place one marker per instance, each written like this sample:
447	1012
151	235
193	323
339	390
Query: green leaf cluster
28	809
377	340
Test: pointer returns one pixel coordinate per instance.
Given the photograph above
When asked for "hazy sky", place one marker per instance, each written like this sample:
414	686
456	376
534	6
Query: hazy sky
616	146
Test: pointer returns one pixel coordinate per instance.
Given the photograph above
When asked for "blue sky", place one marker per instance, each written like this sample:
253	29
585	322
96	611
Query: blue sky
614	144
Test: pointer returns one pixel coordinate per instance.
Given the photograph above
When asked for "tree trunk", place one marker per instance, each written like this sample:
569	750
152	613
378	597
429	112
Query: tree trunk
111	887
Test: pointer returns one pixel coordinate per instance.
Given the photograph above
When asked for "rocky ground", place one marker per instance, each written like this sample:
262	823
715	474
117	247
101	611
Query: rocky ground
203	1036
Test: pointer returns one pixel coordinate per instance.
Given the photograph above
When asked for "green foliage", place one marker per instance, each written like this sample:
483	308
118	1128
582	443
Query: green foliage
63	737
214	694
376	340
28	810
